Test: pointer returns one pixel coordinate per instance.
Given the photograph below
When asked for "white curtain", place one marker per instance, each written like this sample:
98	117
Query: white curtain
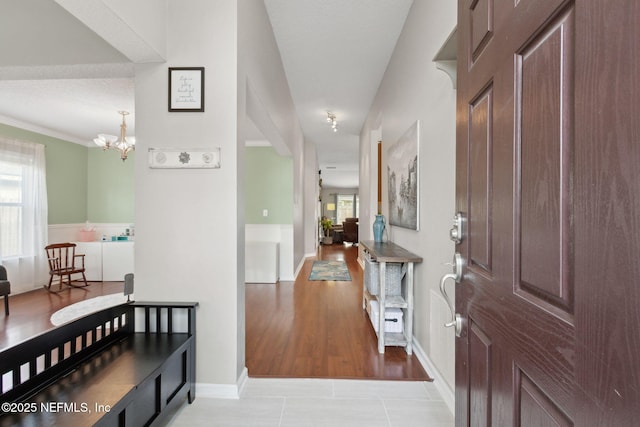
23	213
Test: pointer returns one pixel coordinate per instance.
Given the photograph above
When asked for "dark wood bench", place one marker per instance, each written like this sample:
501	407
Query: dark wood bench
128	365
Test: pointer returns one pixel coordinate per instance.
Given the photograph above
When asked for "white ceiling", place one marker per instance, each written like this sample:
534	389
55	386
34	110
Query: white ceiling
334	53
42	86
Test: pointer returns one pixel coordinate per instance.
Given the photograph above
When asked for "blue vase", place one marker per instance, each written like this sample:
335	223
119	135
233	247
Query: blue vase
378	228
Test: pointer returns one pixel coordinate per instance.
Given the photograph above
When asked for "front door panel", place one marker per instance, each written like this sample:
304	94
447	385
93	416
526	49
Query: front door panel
547	177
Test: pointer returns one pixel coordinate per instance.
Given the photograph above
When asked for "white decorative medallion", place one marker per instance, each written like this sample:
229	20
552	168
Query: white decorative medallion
184	158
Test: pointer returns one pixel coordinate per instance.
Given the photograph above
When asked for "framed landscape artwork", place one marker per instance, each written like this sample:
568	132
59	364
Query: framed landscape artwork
402	173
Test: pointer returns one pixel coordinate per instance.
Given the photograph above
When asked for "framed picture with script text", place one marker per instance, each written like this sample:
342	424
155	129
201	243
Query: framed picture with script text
186	89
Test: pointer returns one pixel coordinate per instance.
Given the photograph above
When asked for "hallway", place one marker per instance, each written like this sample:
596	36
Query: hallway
316	329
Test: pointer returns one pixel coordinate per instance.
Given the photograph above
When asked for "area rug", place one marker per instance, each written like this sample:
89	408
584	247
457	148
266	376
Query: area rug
330	270
88	306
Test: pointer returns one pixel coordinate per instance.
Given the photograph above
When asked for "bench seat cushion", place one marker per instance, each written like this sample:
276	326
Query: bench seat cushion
109	380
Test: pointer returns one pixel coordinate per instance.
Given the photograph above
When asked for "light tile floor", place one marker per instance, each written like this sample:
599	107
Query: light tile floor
321	402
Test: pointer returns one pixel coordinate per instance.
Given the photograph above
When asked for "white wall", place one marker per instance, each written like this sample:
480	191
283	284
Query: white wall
368	179
144	17
187	220
413	89
190	229
311	194
137	29
263	94
263	86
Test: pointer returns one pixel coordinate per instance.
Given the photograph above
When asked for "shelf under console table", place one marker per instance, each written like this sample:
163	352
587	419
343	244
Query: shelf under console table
382	253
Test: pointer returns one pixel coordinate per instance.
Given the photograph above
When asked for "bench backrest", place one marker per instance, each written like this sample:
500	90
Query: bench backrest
38	361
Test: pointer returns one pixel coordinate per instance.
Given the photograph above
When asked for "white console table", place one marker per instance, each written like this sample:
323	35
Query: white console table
383	252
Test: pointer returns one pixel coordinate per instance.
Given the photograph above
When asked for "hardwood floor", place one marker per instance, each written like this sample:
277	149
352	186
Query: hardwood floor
314	329
30	312
302	329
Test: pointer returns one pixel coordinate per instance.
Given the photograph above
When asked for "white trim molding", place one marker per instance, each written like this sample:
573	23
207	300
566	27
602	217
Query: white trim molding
445	390
223	391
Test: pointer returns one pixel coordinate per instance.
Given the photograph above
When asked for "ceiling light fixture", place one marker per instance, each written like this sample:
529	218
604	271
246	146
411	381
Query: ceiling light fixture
124	144
331	118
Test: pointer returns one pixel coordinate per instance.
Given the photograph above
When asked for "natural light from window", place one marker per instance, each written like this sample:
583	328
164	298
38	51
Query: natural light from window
23	207
11	209
347	206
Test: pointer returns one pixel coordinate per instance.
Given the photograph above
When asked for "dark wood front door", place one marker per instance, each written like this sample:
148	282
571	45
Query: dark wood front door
548	181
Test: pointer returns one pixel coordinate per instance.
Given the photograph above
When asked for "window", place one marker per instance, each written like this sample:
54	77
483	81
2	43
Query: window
347	206
23	199
11	209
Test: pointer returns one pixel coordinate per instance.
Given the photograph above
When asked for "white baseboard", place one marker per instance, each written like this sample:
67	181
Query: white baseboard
217	391
445	390
301	263
222	391
242	380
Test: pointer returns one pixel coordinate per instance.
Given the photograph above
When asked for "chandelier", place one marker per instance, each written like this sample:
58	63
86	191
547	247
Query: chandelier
123	144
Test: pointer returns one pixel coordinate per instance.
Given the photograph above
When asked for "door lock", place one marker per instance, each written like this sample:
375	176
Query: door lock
455	233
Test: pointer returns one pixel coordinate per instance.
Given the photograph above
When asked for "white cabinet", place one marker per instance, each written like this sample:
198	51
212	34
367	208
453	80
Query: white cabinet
107	261
92	259
261	262
117	260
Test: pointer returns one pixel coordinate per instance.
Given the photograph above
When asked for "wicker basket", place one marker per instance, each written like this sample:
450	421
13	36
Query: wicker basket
393	285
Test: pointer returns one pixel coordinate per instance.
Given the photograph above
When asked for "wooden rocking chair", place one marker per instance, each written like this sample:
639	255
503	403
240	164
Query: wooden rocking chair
62	263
